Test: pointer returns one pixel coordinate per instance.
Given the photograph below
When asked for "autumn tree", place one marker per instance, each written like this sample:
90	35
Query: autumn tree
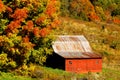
25	28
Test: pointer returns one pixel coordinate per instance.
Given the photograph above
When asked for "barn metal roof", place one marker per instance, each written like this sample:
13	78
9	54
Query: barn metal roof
69	46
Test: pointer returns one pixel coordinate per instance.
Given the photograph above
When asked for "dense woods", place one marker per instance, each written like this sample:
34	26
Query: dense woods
92	10
25	28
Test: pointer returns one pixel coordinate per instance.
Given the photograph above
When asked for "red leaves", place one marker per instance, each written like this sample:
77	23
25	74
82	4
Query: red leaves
14	24
29	26
2	7
40	20
116	20
21	31
44	32
41	33
55	23
94	17
12	27
51	8
26	39
9	9
27	43
20	14
36	32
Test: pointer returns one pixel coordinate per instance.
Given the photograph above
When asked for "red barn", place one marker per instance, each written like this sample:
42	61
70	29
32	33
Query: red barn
76	54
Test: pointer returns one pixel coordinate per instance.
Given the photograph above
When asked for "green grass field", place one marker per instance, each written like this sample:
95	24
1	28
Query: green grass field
56	74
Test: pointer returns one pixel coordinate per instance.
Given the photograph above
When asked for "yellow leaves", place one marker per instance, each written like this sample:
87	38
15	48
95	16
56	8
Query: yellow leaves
12	50
31	67
3	59
1	38
24	67
25	28
12	64
26	45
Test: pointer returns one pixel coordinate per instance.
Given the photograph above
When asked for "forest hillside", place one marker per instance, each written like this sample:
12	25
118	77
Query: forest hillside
92	10
28	28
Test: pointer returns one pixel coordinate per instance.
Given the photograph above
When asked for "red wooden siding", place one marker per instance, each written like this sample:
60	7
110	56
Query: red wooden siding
83	65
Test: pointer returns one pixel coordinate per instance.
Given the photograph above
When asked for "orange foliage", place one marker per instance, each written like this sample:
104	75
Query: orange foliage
57	22
94	17
2	7
54	24
20	14
29	26
40	20
14	24
44	32
9	9
36	31
26	39
51	9
116	20
1	39
12	27
27	44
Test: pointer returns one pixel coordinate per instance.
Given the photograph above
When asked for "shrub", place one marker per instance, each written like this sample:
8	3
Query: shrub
100	12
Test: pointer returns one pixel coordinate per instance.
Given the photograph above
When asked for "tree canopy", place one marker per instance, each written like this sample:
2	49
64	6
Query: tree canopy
25	28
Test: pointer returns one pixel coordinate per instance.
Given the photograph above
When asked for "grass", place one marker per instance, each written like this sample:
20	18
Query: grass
10	76
111	74
57	74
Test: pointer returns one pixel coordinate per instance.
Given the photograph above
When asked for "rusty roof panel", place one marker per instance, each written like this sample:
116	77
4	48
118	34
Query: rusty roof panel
71	44
79	55
73	47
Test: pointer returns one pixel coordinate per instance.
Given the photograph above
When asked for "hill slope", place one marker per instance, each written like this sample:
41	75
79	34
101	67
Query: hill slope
103	37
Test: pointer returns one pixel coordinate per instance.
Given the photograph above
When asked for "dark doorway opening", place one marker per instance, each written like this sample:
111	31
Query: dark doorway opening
55	61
